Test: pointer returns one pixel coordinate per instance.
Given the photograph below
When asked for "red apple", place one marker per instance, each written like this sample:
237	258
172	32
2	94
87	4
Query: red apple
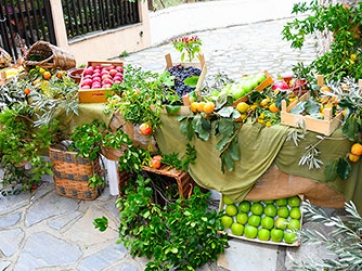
145	129
113	72
86	82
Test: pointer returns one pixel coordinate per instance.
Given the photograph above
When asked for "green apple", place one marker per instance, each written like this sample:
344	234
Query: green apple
237	229
283	211
227	200
290	237
244	206
250	231
281	223
295	213
242	218
226	221
231	210
277	235
257	208
294	201
270	210
281	202
264	234
267	222
294	224
271	201
254	220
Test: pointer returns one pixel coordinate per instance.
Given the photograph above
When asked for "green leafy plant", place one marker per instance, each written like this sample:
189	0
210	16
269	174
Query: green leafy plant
345	55
180	235
187	46
174	161
344	241
21	142
141	95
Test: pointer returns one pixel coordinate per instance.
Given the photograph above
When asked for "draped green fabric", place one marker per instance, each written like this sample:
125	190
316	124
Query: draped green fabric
260	147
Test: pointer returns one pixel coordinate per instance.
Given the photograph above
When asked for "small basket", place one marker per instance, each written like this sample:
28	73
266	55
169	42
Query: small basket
71	174
183	179
48	56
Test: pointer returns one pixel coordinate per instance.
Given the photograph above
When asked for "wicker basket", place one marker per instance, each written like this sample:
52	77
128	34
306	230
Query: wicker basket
71	174
183	179
48	56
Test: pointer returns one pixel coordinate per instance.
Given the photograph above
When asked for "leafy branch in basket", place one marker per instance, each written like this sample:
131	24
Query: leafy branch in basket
173	159
343	241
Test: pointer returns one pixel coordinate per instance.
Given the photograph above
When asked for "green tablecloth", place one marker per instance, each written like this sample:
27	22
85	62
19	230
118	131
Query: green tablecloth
260	147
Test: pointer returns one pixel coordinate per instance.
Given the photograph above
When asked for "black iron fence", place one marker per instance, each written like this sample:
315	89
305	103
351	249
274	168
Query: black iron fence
24	22
84	16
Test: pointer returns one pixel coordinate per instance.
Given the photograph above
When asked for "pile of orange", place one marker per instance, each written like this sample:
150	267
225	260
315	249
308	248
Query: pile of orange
203	107
355	152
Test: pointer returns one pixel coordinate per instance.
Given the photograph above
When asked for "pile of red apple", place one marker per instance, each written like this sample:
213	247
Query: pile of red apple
99	76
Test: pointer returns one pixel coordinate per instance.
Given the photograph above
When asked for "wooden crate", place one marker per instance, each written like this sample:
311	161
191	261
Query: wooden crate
201	65
222	206
183	179
324	126
96	95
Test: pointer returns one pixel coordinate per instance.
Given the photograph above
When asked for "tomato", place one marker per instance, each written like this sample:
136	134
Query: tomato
145	129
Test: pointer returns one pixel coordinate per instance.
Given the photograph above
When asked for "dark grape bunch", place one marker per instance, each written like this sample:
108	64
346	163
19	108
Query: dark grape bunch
181	73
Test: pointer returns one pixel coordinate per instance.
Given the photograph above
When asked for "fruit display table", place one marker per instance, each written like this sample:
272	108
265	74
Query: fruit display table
268	168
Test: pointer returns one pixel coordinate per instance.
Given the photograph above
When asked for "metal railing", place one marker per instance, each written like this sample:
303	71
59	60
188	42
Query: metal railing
24	22
85	16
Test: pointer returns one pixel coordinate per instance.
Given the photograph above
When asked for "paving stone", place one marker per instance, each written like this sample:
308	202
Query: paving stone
4	265
56	205
249	256
103	258
84	233
43	249
10	203
9	220
62	221
10	241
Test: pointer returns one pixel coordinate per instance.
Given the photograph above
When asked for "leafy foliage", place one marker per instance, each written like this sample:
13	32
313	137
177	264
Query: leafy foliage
141	95
344	241
344	57
173	159
224	126
180	235
21	141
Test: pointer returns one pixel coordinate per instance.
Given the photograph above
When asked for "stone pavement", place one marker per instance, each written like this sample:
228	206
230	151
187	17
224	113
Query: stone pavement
43	231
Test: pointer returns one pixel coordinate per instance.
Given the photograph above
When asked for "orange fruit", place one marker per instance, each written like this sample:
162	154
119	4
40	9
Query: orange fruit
325	89
193	107
353	157
273	108
27	91
265	102
242	107
201	106
356	149
209	107
253	107
47	75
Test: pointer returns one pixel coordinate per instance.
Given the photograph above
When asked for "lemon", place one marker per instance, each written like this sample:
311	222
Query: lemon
242	107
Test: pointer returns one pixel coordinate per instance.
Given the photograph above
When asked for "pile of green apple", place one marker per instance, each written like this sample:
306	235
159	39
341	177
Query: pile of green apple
242	87
270	220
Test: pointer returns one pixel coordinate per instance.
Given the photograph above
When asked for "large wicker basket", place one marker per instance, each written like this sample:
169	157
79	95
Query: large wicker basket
71	174
48	56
